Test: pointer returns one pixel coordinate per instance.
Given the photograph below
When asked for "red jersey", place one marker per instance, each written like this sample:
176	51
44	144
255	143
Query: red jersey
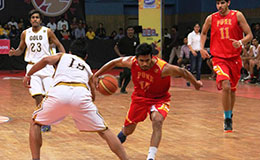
149	86
224	28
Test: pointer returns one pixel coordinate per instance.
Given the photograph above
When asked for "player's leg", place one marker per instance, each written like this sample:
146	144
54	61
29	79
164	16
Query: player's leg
158	114
223	79
114	143
136	113
126	131
233	99
157	122
35	138
36	89
227	105
88	119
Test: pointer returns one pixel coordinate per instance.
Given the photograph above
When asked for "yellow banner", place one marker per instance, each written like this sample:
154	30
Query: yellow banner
150	19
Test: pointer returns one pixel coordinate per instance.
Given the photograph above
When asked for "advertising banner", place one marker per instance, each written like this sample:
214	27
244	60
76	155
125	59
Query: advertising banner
150	18
4	46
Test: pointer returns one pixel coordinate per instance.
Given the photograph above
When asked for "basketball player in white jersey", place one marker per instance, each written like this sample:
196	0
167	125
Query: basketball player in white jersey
73	93
37	40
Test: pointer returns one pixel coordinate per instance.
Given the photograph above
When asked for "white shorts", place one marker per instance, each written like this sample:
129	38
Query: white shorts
40	85
63	100
41	81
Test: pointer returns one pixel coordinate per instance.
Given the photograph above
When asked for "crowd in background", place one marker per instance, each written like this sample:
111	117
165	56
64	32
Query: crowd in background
176	48
63	29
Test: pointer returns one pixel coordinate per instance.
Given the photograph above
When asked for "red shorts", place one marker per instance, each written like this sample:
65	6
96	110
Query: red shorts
227	69
139	111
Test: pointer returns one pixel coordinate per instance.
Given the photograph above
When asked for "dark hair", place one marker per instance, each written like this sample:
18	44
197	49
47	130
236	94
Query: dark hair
79	48
225	0
129	27
143	49
33	12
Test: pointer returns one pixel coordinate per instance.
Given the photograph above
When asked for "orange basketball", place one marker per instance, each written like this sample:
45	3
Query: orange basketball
107	84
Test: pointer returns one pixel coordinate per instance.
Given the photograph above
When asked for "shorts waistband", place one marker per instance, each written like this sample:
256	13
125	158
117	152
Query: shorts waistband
74	84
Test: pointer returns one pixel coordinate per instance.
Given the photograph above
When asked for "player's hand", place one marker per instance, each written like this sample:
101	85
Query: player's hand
11	52
235	43
204	53
198	85
27	81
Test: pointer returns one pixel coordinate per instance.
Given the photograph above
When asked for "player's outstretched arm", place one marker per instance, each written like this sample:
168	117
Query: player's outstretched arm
118	62
21	47
172	70
51	60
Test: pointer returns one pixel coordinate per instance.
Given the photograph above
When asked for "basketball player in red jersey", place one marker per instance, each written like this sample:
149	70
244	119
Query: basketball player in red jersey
227	28
151	78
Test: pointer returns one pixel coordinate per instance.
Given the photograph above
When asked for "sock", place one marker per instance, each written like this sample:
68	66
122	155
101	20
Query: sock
227	114
121	137
152	153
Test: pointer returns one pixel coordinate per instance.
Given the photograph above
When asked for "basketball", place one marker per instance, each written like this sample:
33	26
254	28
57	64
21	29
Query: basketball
107	84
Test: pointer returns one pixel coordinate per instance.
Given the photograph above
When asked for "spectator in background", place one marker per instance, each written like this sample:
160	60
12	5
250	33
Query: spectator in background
174	45
61	22
21	25
101	32
120	34
65	33
254	61
256	31
166	33
83	24
52	25
13	33
6	30
73	26
184	58
126	47
113	35
167	41
90	33
247	55
12	22
2	31
80	32
194	46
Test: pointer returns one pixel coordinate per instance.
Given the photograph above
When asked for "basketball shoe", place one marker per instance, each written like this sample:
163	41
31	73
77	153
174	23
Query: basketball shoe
228	125
46	128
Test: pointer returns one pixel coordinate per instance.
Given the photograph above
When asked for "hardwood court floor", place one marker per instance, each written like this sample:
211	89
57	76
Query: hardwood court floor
193	129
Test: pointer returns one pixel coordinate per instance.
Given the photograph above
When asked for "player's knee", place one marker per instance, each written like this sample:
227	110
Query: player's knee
157	120
226	86
127	130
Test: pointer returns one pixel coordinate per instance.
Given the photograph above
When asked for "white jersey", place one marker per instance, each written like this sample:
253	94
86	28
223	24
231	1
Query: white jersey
72	69
37	45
